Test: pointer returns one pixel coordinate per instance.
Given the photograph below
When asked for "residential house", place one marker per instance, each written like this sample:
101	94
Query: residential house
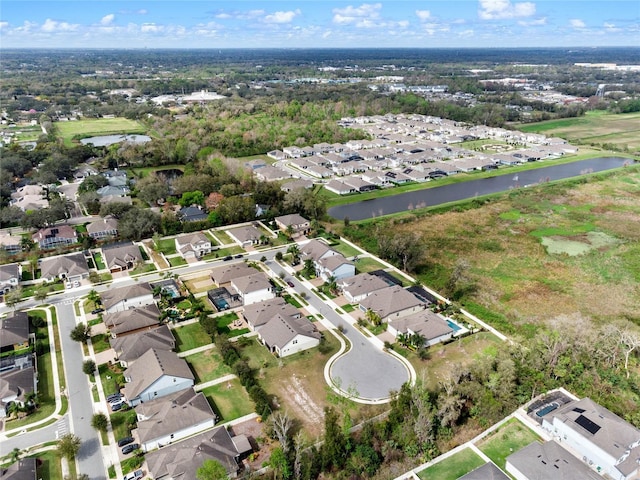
253	288
14	332
51	237
336	267
156	374
359	184
245	236
601	438
181	460
194	213
21	469
121	256
259	313
170	419
298	224
276	154
431	326
488	471
255	164
547	460
104	228
286	335
129	348
84	171
339	187
296	184
17	380
224	275
193	246
133	320
316	250
69	268
358	287
392	303
271	174
123	298
11	244
10	276
30	197
113	191
115	199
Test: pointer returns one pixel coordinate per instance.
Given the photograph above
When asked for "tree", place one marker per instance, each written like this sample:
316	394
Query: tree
100	422
94	297
40	293
334	448
282	425
373	317
13	297
138	223
211	470
192	198
68	446
294	250
280	464
309	268
89	367
81	333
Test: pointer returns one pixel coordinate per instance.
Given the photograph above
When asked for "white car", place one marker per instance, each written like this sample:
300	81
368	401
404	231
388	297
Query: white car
134	475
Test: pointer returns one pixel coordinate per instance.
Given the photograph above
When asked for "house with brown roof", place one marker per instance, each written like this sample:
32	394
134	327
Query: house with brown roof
102	229
431	326
258	314
392	303
358	287
70	268
14	332
156	374
133	320
11	244
181	460
285	336
170	419
245	236
17	379
58	235
130	296
10	276
253	288
223	275
128	348
193	246
121	256
299	225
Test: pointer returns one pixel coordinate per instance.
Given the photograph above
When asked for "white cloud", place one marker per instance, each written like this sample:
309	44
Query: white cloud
503	9
577	23
223	15
142	11
533	23
326	34
241	15
423	15
151	28
611	27
362	15
282	17
466	33
4	25
51	26
107	19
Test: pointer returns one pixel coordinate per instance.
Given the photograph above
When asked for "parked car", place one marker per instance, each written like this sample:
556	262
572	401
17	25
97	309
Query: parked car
238	255
133	475
114	396
97	310
115	400
227	258
130	448
290	283
117	406
125	441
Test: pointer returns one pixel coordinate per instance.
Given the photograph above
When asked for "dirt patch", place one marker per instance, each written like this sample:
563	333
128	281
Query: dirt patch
303	403
200	284
578	244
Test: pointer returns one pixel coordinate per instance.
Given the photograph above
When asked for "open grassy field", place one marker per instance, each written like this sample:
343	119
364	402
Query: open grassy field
595	127
453	467
508	439
229	400
516	282
207	365
69	131
190	336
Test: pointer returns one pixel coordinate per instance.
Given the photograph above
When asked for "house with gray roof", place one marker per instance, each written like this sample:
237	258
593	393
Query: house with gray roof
392	303
21	469
193	246
598	436
16	381
113	191
10	276
259	313
104	228
174	417
121	256
430	325
156	374
488	471
58	235
358	287
181	460
133	320
223	275
336	267
253	288
70	268
299	225
245	236
285	336
128	348
11	244
194	213
130	296
548	460
316	250
14	331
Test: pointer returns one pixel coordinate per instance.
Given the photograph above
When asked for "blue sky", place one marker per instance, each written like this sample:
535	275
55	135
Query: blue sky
318	24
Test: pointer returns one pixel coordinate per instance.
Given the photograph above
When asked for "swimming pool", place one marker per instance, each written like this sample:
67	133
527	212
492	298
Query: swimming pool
454	326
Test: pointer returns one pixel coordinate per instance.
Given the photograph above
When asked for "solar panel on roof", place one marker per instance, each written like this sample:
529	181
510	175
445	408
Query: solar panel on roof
579	410
587	424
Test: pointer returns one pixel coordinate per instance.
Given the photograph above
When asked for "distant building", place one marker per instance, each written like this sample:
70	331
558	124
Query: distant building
10	276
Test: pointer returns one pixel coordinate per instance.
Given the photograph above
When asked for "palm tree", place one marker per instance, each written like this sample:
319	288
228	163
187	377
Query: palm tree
332	285
417	340
373	318
294	250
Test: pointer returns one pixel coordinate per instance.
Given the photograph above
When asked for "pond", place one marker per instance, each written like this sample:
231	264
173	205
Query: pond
106	140
430	197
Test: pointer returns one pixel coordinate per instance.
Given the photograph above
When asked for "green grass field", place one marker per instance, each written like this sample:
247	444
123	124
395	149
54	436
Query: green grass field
229	400
508	439
207	365
453	467
593	128
190	336
70	131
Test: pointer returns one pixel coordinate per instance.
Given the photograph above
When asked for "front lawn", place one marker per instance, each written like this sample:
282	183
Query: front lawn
166	246
49	466
229	400
207	365
143	268
508	439
453	467
123	421
100	342
97	258
190	336
111	377
176	261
